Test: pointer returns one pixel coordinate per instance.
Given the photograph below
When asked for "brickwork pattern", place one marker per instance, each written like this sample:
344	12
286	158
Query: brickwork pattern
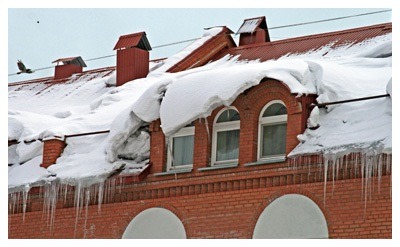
52	150
223	213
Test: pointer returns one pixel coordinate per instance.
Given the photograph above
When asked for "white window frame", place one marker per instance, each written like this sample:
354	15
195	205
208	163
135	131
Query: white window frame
219	127
264	121
186	131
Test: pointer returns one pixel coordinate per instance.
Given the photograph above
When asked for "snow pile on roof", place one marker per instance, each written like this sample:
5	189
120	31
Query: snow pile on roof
198	94
350	127
177	99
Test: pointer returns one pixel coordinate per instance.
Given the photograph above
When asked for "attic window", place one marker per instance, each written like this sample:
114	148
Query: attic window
225	141
181	148
272	131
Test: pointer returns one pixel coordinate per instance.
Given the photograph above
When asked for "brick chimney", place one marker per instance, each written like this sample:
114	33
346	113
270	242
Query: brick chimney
132	57
52	150
253	31
68	66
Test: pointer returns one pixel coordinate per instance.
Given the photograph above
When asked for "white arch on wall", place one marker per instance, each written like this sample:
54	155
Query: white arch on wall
291	216
155	223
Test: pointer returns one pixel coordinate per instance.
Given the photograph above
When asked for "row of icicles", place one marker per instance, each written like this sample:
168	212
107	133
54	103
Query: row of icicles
368	166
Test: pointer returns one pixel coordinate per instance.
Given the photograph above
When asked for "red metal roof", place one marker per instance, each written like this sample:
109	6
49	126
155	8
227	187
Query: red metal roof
66	59
206	51
51	80
71	60
274	50
133	40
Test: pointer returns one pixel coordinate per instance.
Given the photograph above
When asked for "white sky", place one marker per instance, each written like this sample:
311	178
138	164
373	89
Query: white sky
40	36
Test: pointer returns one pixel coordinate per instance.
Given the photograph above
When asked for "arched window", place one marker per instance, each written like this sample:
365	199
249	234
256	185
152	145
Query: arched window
272	131
225	141
180	149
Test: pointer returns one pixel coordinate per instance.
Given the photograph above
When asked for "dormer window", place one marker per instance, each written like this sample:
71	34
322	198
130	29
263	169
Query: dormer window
180	149
225	141
272	131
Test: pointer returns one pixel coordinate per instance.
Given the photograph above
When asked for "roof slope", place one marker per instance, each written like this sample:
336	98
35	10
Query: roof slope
321	44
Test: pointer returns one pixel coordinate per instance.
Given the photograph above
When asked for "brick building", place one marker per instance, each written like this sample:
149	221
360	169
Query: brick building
232	174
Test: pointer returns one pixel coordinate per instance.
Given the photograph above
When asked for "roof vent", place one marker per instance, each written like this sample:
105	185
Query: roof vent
253	31
68	66
132	57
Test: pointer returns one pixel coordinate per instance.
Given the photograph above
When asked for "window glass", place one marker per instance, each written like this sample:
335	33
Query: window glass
183	150
272	131
273	139
228	115
227	145
275	110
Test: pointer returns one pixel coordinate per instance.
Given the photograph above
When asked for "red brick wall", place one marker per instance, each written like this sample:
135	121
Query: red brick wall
52	150
158	151
231	210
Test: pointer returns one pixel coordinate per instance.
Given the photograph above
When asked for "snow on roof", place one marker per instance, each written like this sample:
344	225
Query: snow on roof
87	104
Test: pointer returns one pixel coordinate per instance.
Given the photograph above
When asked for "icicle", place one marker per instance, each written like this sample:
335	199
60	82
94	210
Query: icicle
366	175
77	204
65	193
208	130
87	199
326	163
53	204
320	162
227	110
100	196
13	203
24	201
379	172
362	164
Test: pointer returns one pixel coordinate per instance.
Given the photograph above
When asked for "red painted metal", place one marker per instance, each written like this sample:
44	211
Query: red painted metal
132	57
253	31
65	71
138	40
132	64
274	50
71	65
203	54
66	59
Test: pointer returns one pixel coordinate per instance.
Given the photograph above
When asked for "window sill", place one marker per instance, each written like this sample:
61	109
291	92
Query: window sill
217	167
173	172
267	161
